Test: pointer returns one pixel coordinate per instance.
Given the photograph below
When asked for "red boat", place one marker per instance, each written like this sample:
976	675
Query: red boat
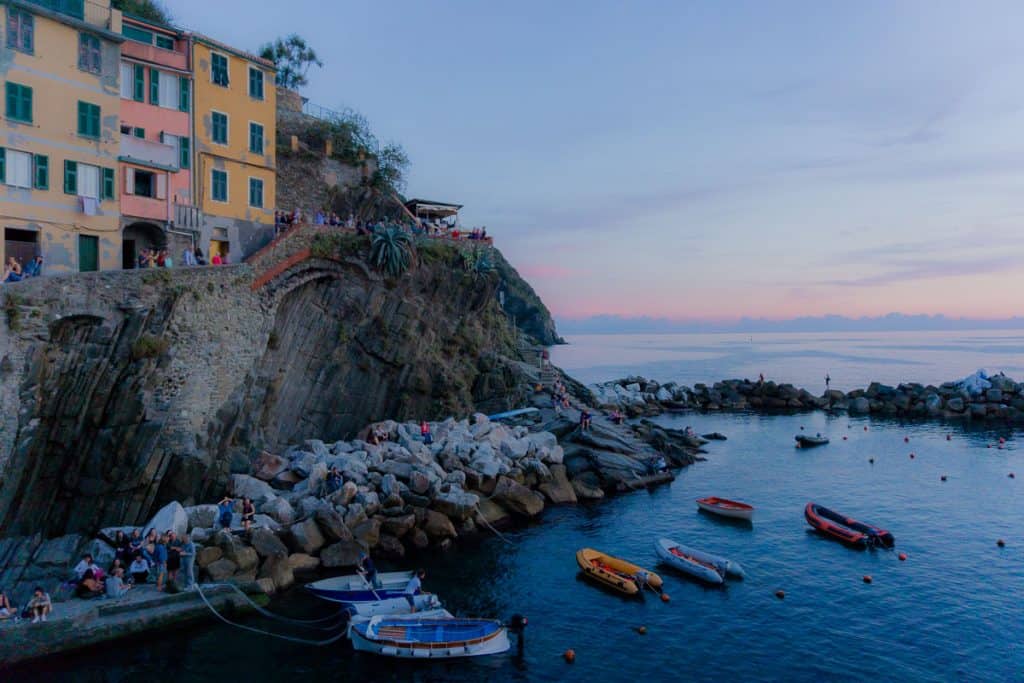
846	529
726	507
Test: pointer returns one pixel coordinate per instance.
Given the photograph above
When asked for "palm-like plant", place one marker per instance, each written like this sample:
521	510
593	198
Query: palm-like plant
482	265
391	251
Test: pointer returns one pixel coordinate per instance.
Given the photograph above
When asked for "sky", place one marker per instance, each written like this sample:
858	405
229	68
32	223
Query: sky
698	160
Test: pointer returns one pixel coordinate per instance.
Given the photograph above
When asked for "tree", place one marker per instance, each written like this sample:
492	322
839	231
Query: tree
153	10
293	58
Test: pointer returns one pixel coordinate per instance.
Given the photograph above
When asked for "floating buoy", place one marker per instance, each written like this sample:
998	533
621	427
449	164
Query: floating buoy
570	656
903	557
911	456
988	445
871	460
780	594
943	477
642	630
949	437
906	439
1001	543
801	428
1011	475
865	429
867	578
1002	439
844	438
664	597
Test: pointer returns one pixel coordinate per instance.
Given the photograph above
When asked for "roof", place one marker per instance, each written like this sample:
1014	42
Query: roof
433	203
149	23
206	40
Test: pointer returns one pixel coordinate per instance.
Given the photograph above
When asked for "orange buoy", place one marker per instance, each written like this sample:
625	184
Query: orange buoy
943	477
903	557
1001	543
570	656
642	630
780	594
867	578
664	597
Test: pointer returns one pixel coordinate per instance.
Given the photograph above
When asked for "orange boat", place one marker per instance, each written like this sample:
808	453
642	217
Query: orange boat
726	507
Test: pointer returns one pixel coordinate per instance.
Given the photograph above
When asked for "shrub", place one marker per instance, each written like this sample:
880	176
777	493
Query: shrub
391	251
149	346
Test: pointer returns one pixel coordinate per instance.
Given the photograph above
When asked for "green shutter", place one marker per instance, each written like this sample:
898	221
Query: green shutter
3	165
183	149
88	119
139	88
139	132
107	191
41	177
183	98
19	102
12	100
70	177
154	86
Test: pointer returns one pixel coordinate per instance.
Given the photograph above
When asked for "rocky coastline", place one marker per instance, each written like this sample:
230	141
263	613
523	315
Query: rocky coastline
976	397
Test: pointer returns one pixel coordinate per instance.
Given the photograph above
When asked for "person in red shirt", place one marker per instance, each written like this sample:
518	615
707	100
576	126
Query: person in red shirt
216	260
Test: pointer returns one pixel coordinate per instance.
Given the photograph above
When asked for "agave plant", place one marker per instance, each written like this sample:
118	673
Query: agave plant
391	251
482	265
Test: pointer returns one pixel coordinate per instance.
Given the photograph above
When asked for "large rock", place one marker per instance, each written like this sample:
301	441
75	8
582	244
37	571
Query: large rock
221	570
279	509
586	490
244	557
437	525
301	563
306	537
517	498
244	486
278	568
201	516
494	514
956	404
344	495
860	406
266	544
170	517
332	524
208	555
398	526
58	552
341	554
390	548
390	493
267	466
102	553
456	503
367	533
558	490
418	539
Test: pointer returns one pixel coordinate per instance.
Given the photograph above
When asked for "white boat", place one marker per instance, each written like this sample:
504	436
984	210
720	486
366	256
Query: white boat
352	588
393	606
726	508
704	566
435	613
440	638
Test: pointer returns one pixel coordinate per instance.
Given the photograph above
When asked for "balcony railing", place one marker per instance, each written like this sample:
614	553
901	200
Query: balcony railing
148	152
187	217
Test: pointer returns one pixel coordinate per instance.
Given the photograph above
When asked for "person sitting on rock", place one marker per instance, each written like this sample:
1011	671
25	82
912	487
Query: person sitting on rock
333	481
6	611
616	417
248	513
84	565
89	587
225	512
40	605
188	560
585	419
115	585
139	569
425	433
121	546
134	544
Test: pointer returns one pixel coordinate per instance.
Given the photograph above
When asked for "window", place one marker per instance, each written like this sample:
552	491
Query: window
219	69
88	181
255	138
220	128
134	131
126	80
89	55
154	86
142	183
70	177
169	91
185	159
107	191
20	30
41	177
18	171
3	165
139	83
256	193
183	97
88	119
19	102
136	34
164	42
219	185
255	83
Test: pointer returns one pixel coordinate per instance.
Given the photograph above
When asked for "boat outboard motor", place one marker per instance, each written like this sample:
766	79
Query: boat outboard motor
517	625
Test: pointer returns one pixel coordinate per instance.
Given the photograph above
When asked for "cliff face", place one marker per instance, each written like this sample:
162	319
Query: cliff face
524	306
120	391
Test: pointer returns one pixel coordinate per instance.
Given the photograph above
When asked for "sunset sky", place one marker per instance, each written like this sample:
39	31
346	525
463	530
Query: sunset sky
699	160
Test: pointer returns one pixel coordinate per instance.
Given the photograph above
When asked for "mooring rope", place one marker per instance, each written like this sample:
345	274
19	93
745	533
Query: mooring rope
337	618
480	517
293	639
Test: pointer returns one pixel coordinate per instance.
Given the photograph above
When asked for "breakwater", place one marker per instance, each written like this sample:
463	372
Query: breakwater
977	397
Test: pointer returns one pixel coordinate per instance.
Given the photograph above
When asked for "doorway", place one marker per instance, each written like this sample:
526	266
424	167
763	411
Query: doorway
21	244
219	247
88	253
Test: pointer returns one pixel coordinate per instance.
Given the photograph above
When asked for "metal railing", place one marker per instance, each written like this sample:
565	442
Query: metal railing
187	216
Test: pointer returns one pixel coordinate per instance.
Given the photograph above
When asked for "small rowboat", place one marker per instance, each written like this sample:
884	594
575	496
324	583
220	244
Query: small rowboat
352	588
846	529
392	606
436	612
804	441
617	574
726	507
437	638
697	562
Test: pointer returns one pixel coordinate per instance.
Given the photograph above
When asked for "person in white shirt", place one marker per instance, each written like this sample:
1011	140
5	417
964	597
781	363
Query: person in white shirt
413	588
84	565
115	585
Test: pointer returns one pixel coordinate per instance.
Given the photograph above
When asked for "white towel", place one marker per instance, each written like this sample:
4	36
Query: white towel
90	207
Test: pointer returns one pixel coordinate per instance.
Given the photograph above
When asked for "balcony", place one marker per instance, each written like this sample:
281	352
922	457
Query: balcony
154	55
187	217
147	153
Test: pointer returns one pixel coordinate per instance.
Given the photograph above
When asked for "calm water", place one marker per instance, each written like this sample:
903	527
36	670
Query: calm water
951	612
852	360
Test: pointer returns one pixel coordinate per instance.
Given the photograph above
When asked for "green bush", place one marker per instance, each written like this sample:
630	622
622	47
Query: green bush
149	346
391	251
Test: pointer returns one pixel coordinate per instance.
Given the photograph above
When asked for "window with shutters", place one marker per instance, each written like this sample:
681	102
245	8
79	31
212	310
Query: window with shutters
219	69
20	30
255	138
88	181
19	169
139	83
19	102
144	183
70	177
154	86
88	120
219	133
255	83
219	185
41	172
184	153
169	91
256	193
163	42
89	55
126	80
107	190
183	98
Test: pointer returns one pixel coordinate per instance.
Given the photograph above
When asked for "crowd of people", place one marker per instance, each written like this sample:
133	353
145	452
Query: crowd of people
190	256
15	272
285	220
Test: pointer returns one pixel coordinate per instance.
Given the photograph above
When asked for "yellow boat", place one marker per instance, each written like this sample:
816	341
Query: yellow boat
615	573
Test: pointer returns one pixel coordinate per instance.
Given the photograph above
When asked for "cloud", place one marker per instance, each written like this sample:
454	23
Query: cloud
932	269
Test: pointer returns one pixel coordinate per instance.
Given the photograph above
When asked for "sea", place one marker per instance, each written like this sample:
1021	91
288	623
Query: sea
944	605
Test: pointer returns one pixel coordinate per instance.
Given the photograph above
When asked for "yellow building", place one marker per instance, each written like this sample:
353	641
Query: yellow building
60	136
235	132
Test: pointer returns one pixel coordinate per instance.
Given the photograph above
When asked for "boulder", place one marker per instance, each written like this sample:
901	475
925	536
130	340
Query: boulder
332	524
102	553
956	404
201	516
419	482
242	486
994	395
244	557
860	406
586	490
266	544
398	526
367	533
515	449
221	570
208	555
456	503
354	515
437	525
517	498
302	464
493	514
390	548
267	466
303	563
344	495
341	554
286	480
306	537
278	568
390	493
558	490
279	509
316	479
266	586
170	517
317	447
419	539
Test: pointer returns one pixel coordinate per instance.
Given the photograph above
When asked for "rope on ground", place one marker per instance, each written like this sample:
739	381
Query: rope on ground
480	517
337	618
302	641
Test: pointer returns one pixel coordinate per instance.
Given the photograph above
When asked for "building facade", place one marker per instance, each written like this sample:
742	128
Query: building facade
59	135
156	140
234	122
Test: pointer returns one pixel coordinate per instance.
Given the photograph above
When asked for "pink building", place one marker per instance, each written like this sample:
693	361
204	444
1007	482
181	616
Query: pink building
156	133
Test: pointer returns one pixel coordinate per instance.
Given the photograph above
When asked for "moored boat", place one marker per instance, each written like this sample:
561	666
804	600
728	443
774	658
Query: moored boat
392	606
437	612
616	573
687	559
430	638
847	529
726	507
805	441
352	588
